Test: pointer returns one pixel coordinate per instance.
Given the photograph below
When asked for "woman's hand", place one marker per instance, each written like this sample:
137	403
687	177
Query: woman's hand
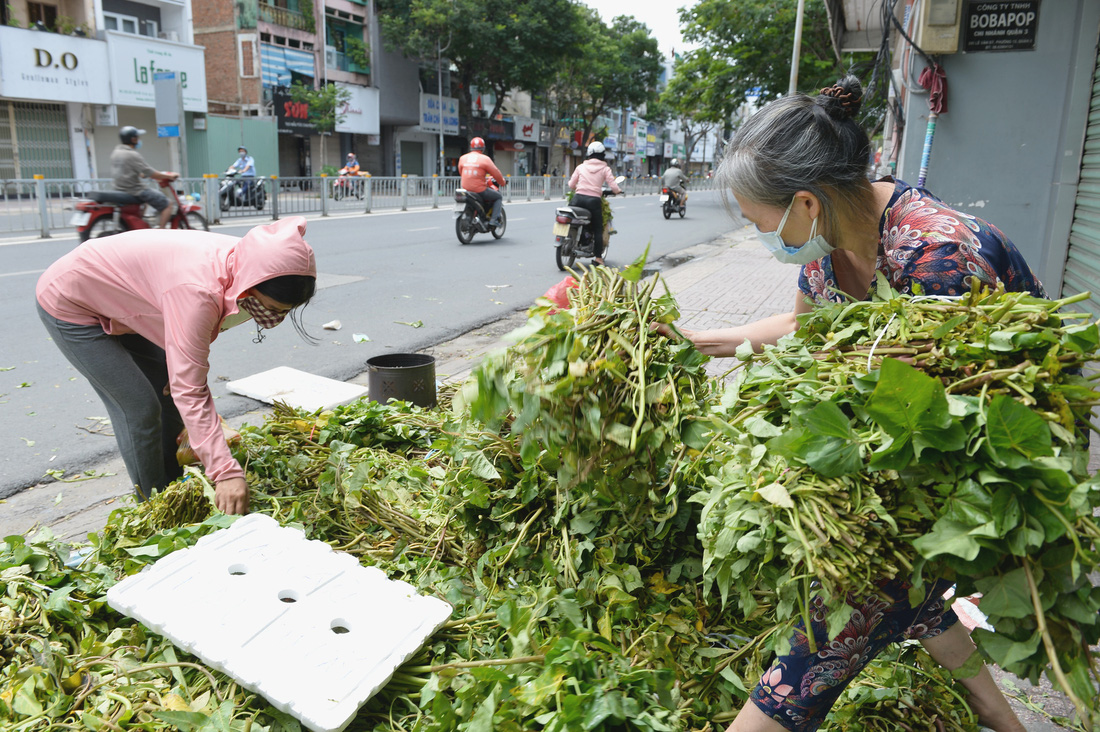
231	495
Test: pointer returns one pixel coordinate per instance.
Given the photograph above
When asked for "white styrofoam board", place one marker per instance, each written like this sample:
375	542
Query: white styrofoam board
306	627
297	388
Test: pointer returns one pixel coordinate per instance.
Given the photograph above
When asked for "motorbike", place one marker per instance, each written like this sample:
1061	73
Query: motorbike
671	202
232	191
103	213
348	184
571	239
472	217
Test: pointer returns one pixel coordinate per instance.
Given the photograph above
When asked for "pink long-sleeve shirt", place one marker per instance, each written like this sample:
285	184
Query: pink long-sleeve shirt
174	288
589	177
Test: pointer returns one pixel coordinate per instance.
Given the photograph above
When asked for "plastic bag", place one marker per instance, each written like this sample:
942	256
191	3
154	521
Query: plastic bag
559	293
186	456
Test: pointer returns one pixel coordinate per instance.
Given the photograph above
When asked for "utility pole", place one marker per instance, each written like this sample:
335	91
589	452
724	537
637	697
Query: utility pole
439	88
797	47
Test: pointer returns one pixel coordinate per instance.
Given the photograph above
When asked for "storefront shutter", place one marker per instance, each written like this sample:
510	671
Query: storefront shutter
1083	259
38	144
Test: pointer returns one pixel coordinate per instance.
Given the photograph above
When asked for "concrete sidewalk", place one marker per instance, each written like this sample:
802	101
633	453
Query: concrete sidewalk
726	282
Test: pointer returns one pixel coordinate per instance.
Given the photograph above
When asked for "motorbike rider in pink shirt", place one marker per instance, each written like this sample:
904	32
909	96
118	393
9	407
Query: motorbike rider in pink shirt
587	184
136	313
473	167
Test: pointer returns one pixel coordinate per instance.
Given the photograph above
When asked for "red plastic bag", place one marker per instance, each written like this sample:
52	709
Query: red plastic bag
559	293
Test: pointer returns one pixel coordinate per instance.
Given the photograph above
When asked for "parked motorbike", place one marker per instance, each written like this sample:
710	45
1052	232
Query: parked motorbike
472	217
232	191
102	213
348	184
671	202
571	239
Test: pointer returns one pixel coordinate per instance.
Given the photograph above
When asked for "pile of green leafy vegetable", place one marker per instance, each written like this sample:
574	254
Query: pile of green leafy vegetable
579	592
920	438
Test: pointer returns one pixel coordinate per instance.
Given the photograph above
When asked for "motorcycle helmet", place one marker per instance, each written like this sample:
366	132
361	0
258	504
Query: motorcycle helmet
129	134
675	163
243	149
477	144
351	156
596	148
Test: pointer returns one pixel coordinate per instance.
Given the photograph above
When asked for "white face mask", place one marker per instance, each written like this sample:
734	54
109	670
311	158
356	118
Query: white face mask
811	251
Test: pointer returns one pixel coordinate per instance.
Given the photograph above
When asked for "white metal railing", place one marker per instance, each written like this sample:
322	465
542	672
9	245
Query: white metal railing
43	205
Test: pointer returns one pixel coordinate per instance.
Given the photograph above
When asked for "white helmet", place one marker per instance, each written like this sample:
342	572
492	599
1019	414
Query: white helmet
595	148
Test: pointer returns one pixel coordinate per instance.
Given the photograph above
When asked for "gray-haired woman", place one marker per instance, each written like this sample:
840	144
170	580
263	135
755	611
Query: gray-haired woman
798	170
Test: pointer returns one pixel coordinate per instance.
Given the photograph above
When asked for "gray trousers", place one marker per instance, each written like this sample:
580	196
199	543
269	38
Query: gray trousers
129	374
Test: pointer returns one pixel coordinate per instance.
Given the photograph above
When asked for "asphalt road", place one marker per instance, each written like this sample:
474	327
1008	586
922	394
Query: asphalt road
374	270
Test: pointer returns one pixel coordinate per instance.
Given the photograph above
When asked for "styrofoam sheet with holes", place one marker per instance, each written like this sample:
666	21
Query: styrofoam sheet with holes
304	626
299	389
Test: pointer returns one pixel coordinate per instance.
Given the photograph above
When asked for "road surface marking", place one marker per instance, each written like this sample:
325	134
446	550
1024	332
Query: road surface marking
429	228
26	272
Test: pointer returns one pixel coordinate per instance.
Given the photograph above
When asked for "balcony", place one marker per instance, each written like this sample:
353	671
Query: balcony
286	18
344	62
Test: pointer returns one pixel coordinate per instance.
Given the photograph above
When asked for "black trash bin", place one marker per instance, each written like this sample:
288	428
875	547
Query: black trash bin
409	377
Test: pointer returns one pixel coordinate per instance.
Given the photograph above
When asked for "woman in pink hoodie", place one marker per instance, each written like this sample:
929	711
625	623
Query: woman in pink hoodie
587	185
136	313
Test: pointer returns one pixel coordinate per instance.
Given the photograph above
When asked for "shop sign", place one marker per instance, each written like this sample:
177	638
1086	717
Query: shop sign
53	67
292	117
433	108
564	135
360	111
134	60
526	128
546	136
490	129
668	149
1001	26
610	143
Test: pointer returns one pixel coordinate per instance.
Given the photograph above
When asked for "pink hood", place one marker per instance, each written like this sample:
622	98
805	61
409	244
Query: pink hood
589	177
175	288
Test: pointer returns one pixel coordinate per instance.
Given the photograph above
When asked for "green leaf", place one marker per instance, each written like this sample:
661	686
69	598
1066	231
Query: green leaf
950	538
1006	596
1003	650
970	668
633	273
912	407
776	493
1016	434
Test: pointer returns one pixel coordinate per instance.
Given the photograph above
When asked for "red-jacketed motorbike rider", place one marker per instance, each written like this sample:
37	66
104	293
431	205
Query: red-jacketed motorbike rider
474	166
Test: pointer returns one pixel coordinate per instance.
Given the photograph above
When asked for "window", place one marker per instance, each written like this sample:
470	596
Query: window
40	12
123	23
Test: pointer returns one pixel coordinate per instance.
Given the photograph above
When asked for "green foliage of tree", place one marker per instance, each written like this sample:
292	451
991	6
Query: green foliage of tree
690	99
745	50
614	67
324	107
494	45
358	52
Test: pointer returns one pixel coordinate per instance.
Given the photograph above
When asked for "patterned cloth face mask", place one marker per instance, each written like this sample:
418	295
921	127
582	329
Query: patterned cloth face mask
811	251
264	317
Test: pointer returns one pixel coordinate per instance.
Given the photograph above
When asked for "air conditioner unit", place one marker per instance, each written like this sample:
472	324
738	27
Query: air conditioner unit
169	36
330	56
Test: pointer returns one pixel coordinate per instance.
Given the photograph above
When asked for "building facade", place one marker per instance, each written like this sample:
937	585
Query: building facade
72	73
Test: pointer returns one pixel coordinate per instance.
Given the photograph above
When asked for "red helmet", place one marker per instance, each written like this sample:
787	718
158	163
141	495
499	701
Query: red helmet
477	144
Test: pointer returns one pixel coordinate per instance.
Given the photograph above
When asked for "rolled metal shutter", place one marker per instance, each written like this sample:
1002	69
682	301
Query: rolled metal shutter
1083	258
34	140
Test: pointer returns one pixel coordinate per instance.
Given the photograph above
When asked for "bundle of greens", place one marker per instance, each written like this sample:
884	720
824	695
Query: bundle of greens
919	438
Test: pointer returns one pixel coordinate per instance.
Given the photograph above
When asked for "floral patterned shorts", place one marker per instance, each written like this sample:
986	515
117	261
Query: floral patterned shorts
800	688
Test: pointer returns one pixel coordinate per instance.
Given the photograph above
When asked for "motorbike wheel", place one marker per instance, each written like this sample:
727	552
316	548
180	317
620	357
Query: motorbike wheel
464	228
194	220
337	192
261	199
498	231
102	227
683	210
667	211
565	253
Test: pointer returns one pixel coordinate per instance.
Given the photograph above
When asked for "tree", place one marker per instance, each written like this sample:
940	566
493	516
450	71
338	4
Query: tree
614	67
688	98
745	50
494	45
324	107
